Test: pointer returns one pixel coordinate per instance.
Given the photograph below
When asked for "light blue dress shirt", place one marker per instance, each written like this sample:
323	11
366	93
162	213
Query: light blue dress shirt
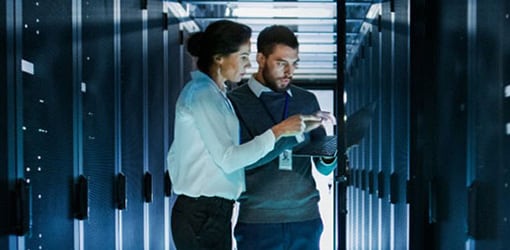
258	88
205	158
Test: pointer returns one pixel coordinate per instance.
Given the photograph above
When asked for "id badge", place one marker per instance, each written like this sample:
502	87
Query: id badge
286	160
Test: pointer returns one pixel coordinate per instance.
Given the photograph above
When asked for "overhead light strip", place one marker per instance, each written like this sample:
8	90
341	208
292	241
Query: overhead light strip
183	15
283	21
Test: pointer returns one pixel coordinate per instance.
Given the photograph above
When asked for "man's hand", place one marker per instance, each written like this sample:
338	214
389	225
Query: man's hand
325	117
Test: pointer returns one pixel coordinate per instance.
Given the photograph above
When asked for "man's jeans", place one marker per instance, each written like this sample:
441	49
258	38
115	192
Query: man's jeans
303	235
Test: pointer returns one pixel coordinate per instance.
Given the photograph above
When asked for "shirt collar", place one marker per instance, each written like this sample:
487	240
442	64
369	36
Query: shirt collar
258	88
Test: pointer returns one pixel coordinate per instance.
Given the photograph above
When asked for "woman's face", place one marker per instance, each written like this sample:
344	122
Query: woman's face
233	66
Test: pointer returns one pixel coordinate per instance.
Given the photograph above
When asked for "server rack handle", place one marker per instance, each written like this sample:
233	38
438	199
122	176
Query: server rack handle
168	184
147	187
22	197
121	191
81	198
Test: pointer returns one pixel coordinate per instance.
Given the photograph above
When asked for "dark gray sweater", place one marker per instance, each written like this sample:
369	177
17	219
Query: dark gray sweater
273	195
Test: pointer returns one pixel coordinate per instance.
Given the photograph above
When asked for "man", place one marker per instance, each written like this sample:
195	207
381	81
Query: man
279	209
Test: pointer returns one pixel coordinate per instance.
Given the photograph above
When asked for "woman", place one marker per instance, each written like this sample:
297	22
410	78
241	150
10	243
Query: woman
206	160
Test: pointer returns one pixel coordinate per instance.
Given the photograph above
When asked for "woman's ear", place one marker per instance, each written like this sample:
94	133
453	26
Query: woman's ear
218	59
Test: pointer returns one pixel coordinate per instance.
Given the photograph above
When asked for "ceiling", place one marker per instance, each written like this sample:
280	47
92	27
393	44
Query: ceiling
313	21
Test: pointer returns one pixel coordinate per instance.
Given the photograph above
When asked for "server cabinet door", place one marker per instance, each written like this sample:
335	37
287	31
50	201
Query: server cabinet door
132	123
401	123
487	166
155	120
6	104
378	216
5	144
47	121
99	121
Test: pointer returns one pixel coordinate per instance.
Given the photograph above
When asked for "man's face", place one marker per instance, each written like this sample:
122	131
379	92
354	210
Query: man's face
276	70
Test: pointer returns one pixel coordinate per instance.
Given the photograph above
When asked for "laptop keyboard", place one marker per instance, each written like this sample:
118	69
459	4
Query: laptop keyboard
328	147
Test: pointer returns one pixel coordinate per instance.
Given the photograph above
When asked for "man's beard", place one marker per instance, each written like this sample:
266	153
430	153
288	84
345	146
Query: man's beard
271	83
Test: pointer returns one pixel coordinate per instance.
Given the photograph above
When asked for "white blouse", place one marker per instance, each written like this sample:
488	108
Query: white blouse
205	158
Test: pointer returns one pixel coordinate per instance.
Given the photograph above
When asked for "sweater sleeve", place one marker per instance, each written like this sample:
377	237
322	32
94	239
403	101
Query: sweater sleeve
321	166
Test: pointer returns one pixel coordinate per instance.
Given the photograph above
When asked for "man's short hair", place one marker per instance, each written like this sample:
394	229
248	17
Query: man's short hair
273	35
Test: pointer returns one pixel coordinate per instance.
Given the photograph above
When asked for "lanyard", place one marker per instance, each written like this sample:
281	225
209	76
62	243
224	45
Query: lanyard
285	109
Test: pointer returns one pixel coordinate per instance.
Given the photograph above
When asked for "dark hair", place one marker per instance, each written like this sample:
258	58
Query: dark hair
221	37
273	35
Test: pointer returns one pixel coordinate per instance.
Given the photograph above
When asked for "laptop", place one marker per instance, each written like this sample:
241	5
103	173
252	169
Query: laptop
325	146
356	127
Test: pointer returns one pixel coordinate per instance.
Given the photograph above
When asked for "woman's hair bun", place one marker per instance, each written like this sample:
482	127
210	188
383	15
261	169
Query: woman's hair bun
194	43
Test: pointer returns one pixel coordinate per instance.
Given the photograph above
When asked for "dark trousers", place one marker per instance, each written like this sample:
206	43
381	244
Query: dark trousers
304	235
202	223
